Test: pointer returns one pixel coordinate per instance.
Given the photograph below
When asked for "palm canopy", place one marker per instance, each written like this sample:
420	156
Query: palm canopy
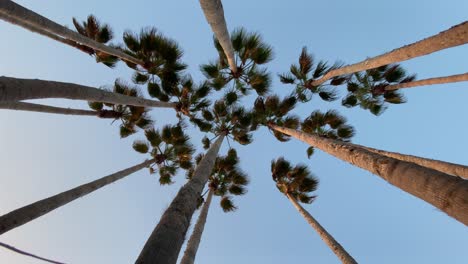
101	33
296	181
221	118
160	54
226	179
367	88
273	110
305	72
250	51
169	147
130	116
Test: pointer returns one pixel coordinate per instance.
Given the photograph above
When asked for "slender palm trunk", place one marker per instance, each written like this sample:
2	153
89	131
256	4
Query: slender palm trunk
13	13
448	193
214	14
40	31
22	252
438	80
15	89
195	238
165	242
339	251
442	166
30	212
454	36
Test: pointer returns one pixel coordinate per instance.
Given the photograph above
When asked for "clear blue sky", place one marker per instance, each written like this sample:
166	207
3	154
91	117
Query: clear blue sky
41	155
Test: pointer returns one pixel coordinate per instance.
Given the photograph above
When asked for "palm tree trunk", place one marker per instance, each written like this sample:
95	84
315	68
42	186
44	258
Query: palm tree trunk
12	12
195	238
442	166
46	109
30	212
22	252
165	242
40	31
214	14
339	251
454	36
438	80
448	193
15	89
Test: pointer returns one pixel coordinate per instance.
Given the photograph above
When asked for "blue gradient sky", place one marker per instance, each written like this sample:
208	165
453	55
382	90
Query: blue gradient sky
42	154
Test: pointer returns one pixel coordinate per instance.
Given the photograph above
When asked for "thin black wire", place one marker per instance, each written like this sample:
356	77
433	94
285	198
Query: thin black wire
28	254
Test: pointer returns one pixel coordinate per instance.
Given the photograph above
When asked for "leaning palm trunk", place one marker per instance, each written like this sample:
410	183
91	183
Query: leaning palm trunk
448	193
165	242
15	89
339	251
454	36
439	80
30	212
214	13
442	166
195	238
13	13
40	31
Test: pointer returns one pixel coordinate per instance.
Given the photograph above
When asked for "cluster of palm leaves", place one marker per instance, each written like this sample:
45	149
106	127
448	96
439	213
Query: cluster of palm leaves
305	72
101	33
367	89
130	116
169	148
250	52
296	181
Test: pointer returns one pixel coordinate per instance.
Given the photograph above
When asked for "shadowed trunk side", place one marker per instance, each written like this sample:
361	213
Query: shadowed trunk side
447	193
30	212
165	242
339	251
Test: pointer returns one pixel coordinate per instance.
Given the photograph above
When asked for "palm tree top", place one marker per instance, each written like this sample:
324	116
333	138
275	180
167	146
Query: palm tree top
296	181
305	72
250	51
367	88
170	148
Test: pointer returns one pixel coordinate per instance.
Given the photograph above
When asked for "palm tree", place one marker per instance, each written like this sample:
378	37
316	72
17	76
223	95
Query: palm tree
438	80
442	166
32	211
23	106
15	89
214	14
93	29
296	183
367	89
166	240
225	180
447	193
303	74
250	51
19	15
170	149
452	37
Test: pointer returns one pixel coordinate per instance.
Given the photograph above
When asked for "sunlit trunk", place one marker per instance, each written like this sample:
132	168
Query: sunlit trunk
339	251
165	242
438	80
15	89
452	37
19	15
448	193
30	212
195	238
214	13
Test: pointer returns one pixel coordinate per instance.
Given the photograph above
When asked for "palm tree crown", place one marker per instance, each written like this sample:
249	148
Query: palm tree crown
250	51
101	33
169	147
367	89
297	182
131	116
